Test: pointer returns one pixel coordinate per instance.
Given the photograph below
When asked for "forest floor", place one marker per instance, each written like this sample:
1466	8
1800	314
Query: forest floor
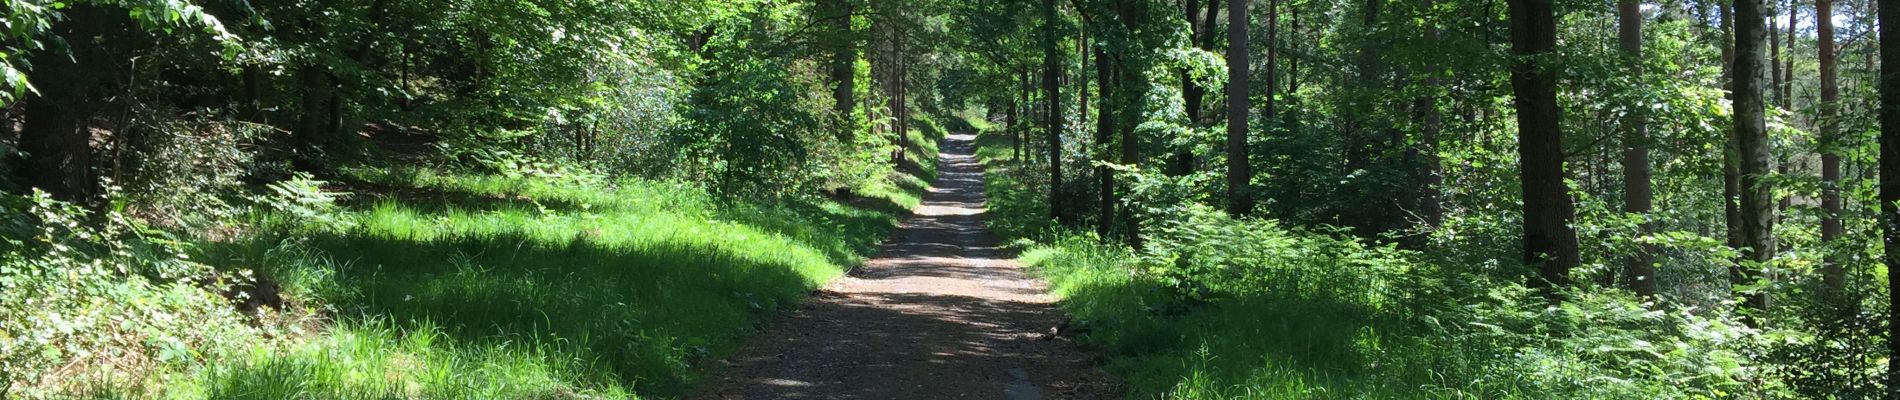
942	312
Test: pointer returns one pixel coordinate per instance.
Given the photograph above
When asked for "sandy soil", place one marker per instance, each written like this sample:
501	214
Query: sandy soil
941	313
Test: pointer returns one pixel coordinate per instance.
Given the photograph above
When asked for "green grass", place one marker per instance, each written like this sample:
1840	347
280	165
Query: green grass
1251	345
452	286
1236	344
1218	308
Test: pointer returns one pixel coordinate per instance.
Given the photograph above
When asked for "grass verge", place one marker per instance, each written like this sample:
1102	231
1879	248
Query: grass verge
409	283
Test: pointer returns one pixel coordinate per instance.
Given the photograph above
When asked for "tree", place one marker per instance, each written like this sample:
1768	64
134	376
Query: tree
1052	112
1432	175
1889	84
1239	173
66	85
1640	267
1104	135
1550	243
1750	135
1201	31
837	14
1832	276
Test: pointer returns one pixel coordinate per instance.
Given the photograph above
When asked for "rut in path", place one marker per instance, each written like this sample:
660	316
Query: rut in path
941	313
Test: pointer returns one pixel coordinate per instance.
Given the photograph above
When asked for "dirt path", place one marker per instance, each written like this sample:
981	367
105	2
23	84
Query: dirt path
942	313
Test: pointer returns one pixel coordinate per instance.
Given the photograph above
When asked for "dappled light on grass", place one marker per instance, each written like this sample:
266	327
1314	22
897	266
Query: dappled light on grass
597	290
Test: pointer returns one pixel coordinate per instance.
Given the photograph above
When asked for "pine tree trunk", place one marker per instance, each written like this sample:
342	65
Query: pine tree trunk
54	132
1131	155
57	144
1833	278
1550	244
1889	83
1052	88
1181	163
1640	268
1104	134
1239	172
1432	177
843	68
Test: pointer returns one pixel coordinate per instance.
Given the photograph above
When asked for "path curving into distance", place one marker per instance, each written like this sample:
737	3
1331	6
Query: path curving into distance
941	313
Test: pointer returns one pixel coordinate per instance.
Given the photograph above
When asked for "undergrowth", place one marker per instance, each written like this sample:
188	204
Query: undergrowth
1211	307
416	283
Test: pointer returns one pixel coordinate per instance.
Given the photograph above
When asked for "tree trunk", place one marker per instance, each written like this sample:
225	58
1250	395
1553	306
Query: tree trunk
1731	175
1774	59
1193	96
1104	134
1550	244
1268	105
1640	268
1433	174
1131	226
1787	71
1757	208
843	68
1833	278
313	120
1239	172
1052	88
1012	128
1889	83
1082	91
54	132
57	143
1026	115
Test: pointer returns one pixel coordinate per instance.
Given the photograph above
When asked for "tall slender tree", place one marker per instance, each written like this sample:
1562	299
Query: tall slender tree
1202	33
1052	103
1750	134
1432	173
1104	136
1731	173
1774	56
1889	83
1787	71
842	68
1833	277
1239	173
1550	243
1640	268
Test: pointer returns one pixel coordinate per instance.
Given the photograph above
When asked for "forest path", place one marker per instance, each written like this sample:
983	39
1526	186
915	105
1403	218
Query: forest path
941	313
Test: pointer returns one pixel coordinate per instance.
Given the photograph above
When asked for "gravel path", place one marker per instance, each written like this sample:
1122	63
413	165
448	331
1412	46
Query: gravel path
941	313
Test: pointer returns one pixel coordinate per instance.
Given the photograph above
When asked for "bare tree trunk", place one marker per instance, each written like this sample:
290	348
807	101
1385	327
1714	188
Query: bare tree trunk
1889	83
1104	134
1433	176
1239	172
1014	130
1082	91
1751	140
1051	85
1550	245
1774	59
1731	175
1833	278
843	68
1193	96
1640	268
1131	226
1787	71
57	143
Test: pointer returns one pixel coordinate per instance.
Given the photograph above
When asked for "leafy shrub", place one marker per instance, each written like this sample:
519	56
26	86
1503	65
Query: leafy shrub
88	291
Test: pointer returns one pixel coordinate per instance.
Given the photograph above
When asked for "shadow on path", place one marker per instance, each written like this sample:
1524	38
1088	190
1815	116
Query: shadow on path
942	312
